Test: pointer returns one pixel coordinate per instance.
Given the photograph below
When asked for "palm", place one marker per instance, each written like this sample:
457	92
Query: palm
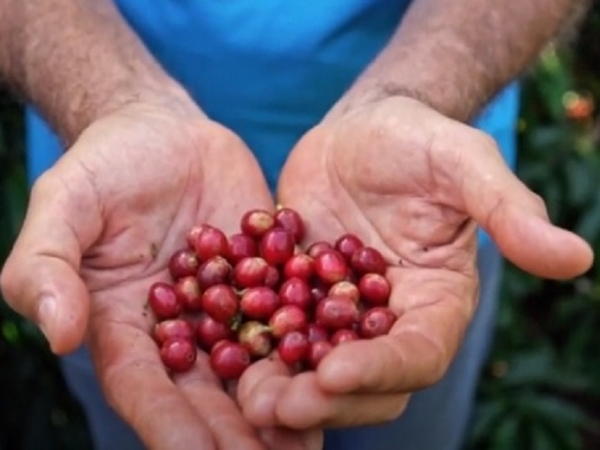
392	189
128	190
411	183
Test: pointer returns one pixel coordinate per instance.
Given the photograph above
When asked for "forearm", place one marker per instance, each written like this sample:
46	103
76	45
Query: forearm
76	60
456	54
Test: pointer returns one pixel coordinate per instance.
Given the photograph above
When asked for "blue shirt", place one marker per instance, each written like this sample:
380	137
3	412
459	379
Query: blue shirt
268	69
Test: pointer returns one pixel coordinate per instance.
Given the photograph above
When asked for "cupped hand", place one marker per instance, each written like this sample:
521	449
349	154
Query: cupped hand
413	184
99	231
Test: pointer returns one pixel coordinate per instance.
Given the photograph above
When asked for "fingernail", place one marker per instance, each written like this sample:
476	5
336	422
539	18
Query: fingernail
46	313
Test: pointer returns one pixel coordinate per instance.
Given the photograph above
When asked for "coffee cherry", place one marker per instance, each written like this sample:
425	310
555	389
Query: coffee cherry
343	335
272	277
336	313
287	318
299	266
256	223
277	246
215	270
295	291
211	242
187	292
293	347
183	263
318	293
163	301
317	248
250	272
178	354
229	360
347	244
374	289
173	329
241	246
259	302
331	267
255	337
220	302
376	321
192	235
290	220
368	260
345	289
209	332
317	351
316	333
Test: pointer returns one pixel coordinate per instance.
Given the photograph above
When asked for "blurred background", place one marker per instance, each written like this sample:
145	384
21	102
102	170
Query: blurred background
540	389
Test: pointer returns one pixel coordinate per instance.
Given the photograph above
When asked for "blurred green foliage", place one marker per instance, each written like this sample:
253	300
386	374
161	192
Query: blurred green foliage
541	388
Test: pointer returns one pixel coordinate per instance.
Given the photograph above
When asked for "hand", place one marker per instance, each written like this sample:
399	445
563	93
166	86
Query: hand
99	231
413	184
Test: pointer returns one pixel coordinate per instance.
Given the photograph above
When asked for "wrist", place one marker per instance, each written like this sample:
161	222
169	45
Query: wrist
93	101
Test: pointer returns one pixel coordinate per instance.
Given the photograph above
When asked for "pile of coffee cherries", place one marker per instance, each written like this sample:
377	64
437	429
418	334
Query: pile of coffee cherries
242	297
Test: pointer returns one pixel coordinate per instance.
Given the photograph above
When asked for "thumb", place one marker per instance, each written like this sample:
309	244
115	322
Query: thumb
517	219
40	278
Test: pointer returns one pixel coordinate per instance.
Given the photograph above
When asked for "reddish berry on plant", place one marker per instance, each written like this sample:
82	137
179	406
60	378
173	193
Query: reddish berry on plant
345	289
272	277
299	266
317	351
317	248
347	244
241	246
178	354
250	272
229	360
343	335
259	302
375	289
220	302
291	221
376	321
368	260
293	347
336	313
163	301
331	267
295	291
209	332
215	270
256	223
192	236
277	246
211	242
183	263
173	329
287	318
187	292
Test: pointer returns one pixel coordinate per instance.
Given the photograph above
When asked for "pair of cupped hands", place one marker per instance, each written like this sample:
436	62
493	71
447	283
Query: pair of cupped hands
103	221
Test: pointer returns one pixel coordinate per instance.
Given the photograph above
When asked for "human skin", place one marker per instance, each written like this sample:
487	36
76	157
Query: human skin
144	164
394	163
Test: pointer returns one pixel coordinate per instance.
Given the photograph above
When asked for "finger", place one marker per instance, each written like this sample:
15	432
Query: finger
515	217
260	409
138	387
434	308
216	409
302	404
277	438
40	279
